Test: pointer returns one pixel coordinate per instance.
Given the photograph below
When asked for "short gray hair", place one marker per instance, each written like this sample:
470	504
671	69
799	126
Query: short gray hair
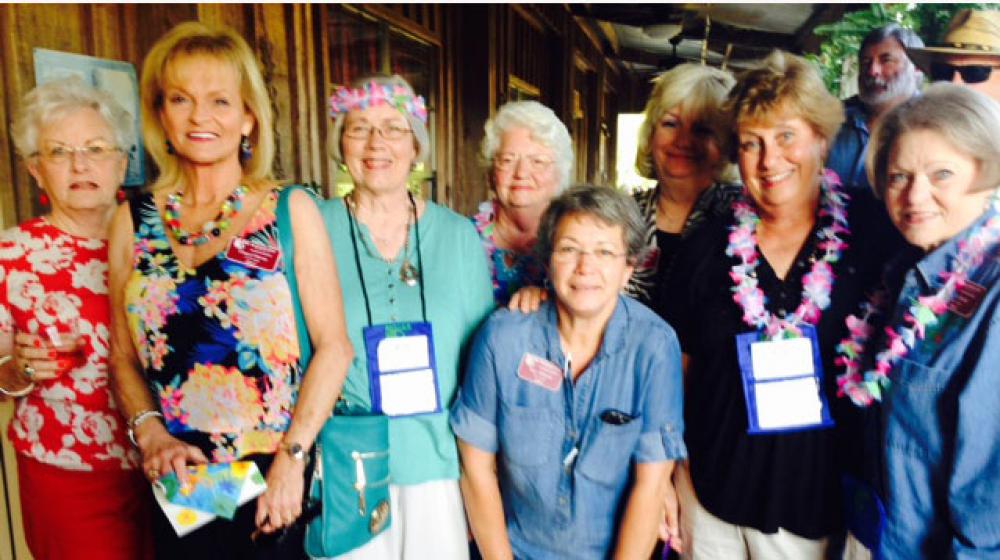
421	138
906	38
609	206
544	127
56	100
967	120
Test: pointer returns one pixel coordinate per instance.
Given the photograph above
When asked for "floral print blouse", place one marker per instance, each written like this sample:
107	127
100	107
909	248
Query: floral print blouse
510	270
217	342
50	279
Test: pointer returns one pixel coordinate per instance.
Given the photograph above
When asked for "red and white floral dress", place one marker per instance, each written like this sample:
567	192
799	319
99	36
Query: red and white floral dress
49	278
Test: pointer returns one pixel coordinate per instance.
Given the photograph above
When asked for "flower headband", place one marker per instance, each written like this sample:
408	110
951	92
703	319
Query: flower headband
347	99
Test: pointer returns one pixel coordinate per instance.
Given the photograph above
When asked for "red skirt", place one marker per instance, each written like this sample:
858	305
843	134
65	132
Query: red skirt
80	515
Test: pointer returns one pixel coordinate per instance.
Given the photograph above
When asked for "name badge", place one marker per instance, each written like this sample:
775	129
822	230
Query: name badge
783	383
539	371
253	255
967	299
402	373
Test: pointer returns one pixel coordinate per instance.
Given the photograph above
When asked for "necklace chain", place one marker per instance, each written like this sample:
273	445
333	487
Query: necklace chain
865	388
816	284
407	272
210	229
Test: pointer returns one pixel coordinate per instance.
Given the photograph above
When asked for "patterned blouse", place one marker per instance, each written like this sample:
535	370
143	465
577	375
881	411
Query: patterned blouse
510	270
51	279
655	266
217	342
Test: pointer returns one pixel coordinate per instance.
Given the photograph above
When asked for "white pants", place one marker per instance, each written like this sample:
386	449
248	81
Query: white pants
428	521
707	537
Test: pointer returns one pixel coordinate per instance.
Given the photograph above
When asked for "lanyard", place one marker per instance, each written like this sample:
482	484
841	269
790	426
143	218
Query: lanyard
361	274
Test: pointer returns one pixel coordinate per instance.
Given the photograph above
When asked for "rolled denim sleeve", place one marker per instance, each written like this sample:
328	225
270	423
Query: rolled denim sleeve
974	487
662	437
474	414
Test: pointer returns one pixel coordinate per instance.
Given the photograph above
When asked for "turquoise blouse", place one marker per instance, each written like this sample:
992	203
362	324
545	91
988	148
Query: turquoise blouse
459	295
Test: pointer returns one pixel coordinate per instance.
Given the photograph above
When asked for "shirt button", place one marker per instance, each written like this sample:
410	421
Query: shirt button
392	301
571	435
562	501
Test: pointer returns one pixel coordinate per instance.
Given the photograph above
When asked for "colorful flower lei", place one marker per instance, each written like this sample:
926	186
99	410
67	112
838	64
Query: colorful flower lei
816	285
346	99
923	313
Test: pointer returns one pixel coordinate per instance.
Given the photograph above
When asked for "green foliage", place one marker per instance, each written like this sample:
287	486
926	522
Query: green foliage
838	54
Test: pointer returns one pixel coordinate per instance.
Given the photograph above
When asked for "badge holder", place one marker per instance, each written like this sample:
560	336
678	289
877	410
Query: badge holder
402	373
783	383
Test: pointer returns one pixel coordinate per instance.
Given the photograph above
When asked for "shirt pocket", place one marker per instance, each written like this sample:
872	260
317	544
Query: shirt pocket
913	420
528	435
606	458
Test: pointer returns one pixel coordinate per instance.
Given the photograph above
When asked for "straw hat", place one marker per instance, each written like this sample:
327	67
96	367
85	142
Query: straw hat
971	32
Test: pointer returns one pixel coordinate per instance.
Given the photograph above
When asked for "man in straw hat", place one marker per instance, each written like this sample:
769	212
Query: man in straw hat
968	54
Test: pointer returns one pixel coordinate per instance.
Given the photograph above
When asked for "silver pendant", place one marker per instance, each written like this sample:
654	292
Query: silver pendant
408	274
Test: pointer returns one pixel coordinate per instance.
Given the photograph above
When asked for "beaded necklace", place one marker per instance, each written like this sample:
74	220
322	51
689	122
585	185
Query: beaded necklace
210	229
816	285
924	311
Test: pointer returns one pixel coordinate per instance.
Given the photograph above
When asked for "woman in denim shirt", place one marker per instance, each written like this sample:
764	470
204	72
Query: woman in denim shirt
935	160
569	419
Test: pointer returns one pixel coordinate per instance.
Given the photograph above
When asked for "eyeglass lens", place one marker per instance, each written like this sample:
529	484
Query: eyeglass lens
973	74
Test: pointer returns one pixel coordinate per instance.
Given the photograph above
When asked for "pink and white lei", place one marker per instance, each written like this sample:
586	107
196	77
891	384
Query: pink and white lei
816	284
346	99
924	312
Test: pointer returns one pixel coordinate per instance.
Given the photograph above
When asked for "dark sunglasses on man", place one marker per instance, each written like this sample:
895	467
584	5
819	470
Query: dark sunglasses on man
971	74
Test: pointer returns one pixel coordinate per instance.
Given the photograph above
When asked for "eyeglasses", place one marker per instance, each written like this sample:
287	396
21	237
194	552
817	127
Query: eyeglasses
63	154
972	74
362	131
508	162
571	254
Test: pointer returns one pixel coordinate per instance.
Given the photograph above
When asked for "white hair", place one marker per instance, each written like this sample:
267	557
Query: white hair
544	127
56	100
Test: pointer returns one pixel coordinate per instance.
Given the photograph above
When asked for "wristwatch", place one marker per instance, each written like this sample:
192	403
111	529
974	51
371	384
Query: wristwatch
294	450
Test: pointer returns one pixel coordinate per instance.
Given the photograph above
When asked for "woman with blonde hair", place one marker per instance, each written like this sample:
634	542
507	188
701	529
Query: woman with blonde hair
682	144
205	352
759	311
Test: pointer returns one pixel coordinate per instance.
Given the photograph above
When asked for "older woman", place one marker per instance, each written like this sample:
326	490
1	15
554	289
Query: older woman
935	160
759	311
205	353
415	272
557	405
682	144
530	155
79	484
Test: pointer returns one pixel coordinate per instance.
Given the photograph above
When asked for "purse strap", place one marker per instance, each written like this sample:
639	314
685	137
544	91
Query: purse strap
287	241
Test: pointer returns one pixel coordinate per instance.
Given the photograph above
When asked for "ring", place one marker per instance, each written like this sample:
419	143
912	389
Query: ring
29	372
153	473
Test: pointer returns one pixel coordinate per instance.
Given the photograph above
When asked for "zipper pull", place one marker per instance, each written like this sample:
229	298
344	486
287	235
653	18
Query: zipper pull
360	482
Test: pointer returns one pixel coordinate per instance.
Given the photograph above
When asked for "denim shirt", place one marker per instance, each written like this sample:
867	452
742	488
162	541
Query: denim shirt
941	422
847	155
559	503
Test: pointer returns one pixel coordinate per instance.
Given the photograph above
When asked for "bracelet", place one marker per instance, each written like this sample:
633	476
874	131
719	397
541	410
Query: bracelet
18	393
137	419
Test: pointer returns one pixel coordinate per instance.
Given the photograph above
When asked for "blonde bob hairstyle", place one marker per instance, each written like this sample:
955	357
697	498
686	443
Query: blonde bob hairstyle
421	138
699	91
194	39
784	84
967	120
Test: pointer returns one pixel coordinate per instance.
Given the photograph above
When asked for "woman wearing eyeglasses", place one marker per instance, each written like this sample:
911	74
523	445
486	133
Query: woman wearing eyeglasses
530	157
81	492
415	279
570	419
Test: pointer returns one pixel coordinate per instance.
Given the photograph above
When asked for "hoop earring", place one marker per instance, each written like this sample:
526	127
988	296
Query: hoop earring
170	148
246	150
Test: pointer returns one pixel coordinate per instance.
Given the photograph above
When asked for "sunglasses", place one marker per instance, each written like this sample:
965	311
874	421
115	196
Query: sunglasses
972	74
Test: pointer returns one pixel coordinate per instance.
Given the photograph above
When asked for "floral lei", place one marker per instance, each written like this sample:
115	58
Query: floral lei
923	312
816	285
346	99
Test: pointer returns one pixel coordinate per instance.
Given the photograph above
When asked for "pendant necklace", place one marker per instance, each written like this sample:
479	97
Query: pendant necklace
408	273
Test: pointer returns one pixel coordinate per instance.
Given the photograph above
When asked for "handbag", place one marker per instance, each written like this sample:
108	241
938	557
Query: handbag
347	503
